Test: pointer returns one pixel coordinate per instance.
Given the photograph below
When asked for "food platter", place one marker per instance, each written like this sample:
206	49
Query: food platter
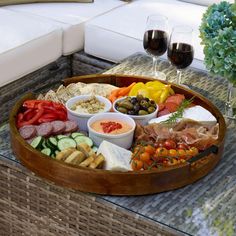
109	182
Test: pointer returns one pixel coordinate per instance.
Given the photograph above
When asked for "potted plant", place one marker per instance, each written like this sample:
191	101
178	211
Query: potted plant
218	34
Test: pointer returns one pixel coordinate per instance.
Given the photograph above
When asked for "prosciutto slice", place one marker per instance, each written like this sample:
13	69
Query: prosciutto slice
188	131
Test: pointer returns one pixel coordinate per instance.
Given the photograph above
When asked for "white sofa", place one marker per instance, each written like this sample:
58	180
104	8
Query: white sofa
33	35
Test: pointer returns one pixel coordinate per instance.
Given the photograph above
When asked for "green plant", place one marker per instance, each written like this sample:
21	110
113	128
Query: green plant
218	34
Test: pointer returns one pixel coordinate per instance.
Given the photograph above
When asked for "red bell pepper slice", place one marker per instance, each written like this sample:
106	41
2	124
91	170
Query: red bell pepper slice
34	119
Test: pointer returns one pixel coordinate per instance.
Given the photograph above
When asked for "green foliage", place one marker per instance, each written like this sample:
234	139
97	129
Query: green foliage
218	34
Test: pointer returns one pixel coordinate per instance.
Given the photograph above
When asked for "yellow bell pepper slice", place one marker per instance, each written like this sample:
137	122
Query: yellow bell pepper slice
135	89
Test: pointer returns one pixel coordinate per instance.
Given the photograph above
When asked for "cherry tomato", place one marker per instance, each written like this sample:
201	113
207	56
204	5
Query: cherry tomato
181	153
189	153
137	165
147	165
149	149
159	144
173	153
194	151
161	152
182	146
170	144
145	156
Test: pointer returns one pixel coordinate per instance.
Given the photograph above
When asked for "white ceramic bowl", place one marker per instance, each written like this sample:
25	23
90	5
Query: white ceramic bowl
123	140
82	118
143	119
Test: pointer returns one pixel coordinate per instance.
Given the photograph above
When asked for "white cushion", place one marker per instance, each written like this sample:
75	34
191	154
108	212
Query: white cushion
118	34
26	44
71	16
205	2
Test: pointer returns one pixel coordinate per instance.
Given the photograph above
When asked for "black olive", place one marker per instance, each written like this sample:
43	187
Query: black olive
152	103
136	108
131	112
146	99
134	100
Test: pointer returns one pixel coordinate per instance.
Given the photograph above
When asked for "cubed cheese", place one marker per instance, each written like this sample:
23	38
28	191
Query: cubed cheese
197	113
116	158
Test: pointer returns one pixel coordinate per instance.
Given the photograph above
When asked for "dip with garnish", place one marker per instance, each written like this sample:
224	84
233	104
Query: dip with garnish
116	128
110	126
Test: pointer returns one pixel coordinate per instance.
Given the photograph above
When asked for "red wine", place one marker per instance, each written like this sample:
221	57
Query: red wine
155	42
180	55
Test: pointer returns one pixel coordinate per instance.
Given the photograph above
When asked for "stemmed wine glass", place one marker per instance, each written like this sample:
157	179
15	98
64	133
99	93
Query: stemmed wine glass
155	40
180	50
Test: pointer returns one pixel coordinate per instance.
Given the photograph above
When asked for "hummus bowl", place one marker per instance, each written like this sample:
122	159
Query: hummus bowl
124	135
81	115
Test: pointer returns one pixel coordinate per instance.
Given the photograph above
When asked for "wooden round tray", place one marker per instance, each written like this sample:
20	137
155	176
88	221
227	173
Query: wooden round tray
116	182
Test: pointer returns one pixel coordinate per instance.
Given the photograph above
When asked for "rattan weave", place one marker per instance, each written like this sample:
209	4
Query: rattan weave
32	206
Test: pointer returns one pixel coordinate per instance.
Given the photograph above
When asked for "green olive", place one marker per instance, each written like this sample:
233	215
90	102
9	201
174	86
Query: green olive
151	110
139	97
127	104
142	113
122	110
144	103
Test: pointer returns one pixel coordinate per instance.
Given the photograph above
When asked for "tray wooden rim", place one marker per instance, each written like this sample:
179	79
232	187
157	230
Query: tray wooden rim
16	138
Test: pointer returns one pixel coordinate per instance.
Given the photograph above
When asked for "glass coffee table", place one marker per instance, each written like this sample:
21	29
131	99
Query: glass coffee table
30	205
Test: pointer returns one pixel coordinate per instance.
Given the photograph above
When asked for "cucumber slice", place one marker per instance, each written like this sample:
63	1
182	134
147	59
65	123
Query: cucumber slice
61	136
52	141
56	152
37	142
84	139
53	156
76	134
44	144
47	151
95	149
50	145
66	143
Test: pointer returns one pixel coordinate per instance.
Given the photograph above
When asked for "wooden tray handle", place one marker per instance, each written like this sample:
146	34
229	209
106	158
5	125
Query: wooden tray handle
212	149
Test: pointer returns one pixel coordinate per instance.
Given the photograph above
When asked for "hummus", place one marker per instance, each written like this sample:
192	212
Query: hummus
91	106
110	127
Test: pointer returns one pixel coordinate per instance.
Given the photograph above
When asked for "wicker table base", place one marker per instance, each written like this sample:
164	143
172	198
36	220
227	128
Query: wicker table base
32	206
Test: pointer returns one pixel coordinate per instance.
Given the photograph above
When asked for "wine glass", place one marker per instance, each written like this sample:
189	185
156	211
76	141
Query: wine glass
155	40
180	50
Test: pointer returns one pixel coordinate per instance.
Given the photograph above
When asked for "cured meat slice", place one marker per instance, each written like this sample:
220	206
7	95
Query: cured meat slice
58	127
177	99
163	112
44	129
28	131
71	126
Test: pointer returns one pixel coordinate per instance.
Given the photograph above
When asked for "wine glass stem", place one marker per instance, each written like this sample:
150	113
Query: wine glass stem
179	75
154	60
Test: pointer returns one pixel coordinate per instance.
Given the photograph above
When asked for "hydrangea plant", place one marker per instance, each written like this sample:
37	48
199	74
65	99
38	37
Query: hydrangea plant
218	34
